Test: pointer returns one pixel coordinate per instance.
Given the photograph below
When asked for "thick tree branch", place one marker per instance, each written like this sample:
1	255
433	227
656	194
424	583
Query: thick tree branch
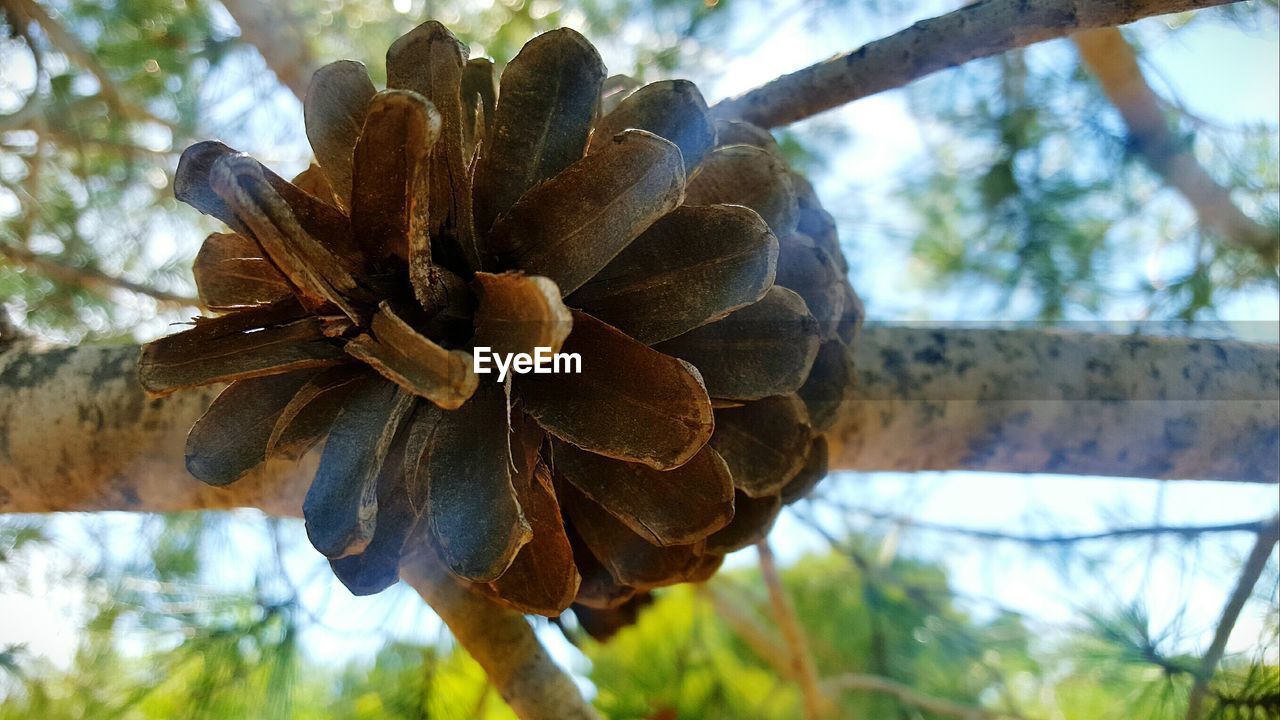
91	279
1036	401
277	36
797	647
78	433
978	30
1268	535
502	641
1115	65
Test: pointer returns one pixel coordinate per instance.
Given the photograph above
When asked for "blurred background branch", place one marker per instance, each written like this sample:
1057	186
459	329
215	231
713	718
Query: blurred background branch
278	36
1115	65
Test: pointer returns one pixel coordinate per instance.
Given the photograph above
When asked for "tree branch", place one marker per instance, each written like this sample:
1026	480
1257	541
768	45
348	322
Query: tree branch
501	640
1186	531
771	650
1115	65
92	279
77	432
797	648
1043	401
978	30
1268	535
278	37
914	698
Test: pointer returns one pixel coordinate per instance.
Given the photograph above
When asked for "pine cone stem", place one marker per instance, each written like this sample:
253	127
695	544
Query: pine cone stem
501	640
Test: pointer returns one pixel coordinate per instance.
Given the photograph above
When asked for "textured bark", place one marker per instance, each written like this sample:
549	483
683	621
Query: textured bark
502	641
1028	401
1115	65
78	433
978	30
279	38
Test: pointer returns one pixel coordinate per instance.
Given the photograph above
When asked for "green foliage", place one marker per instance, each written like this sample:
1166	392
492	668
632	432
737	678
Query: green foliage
1036	192
683	656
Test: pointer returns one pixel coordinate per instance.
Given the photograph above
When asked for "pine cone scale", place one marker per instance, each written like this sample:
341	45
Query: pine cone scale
546	103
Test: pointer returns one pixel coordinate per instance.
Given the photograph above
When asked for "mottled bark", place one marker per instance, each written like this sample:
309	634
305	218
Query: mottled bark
1028	401
78	433
1115	65
978	30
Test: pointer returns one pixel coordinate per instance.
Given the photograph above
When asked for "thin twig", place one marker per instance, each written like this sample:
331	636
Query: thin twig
773	651
1114	64
747	626
909	696
78	54
91	279
804	673
982	29
1186	531
1268	535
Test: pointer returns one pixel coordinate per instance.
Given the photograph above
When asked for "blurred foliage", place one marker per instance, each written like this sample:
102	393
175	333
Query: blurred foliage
1037	190
1028	192
160	640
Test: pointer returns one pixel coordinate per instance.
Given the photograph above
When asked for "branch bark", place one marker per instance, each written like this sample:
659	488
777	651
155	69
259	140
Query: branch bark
1115	65
78	433
978	30
277	36
502	641
92	279
1268	535
1042	401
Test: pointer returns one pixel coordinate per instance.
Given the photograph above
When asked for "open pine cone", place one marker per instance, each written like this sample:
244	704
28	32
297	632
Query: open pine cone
698	279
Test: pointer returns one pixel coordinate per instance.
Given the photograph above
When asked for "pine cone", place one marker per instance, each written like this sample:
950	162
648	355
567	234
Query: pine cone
443	216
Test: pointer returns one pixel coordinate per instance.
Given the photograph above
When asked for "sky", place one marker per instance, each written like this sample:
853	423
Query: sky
1217	71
